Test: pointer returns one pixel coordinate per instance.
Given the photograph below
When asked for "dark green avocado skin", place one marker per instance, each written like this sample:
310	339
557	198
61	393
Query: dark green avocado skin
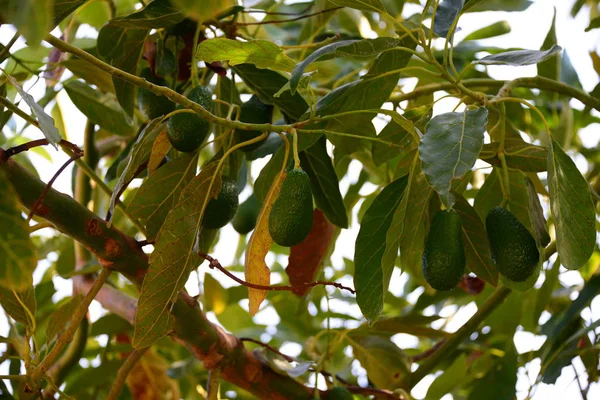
290	220
221	210
513	248
246	215
253	111
187	131
151	105
444	255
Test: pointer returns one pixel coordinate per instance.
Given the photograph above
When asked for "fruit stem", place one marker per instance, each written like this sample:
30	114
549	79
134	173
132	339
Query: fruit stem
294	134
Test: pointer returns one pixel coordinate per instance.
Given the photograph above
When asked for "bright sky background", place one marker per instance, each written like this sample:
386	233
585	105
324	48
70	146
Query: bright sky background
528	31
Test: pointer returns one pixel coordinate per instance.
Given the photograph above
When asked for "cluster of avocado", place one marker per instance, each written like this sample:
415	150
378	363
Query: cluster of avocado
513	248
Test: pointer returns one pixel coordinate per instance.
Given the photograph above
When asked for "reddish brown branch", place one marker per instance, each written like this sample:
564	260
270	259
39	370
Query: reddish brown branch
378	393
50	183
428	352
283	21
214	263
36	143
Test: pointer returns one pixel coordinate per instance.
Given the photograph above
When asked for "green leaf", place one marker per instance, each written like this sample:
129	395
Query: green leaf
160	192
396	134
497	5
477	247
138	158
363	5
518	154
172	260
203	10
17	253
95	14
519	57
109	324
372	272
19	305
325	186
32	18
265	84
536	215
100	108
447	12
450	148
501	380
573	209
452	377
156	15
63	8
45	121
496	29
261	53
90	73
387	366
61	318
122	48
346	48
594	24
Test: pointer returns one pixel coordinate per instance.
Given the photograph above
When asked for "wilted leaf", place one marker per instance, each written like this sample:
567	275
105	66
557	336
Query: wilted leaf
255	268
519	57
477	247
572	208
262	53
450	148
17	253
100	108
138	158
306	257
372	272
324	182
160	192
172	259
160	148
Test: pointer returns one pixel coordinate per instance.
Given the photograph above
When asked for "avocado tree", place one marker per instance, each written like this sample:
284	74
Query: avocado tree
382	183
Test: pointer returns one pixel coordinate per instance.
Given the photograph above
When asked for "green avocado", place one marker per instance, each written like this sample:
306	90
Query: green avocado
187	131
444	255
152	106
221	210
513	248
291	217
339	393
246	215
253	111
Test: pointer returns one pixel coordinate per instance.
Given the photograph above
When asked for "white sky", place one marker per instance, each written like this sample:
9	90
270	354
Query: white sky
528	31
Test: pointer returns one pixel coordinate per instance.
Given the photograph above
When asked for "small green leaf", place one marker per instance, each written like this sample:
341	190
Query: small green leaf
138	157
63	8
447	12
450	148
100	108
156	15
519	57
325	186
61	318
45	121
518	154
20	306
496	29
17	253
363	5
160	192
371	274
347	48
262	53
386	364
122	48
477	247
172	259
594	24
573	209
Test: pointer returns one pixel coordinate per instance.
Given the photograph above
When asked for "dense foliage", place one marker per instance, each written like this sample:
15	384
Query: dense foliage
480	204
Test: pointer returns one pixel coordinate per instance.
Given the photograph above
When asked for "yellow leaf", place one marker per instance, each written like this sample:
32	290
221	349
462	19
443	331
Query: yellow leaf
256	269
160	148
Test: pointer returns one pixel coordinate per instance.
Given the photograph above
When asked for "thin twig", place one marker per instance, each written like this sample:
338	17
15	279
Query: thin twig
214	263
268	347
428	352
11	151
127	366
40	199
6	48
282	21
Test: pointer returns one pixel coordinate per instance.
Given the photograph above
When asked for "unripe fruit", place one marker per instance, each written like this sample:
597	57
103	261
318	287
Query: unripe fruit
221	210
151	105
187	131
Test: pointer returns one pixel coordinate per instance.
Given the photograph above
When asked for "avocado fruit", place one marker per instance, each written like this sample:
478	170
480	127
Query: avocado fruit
290	220
187	131
339	393
253	111
151	105
444	255
220	211
513	248
246	215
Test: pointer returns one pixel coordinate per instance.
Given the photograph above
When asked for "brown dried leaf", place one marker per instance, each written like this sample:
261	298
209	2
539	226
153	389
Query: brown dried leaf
306	257
160	148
